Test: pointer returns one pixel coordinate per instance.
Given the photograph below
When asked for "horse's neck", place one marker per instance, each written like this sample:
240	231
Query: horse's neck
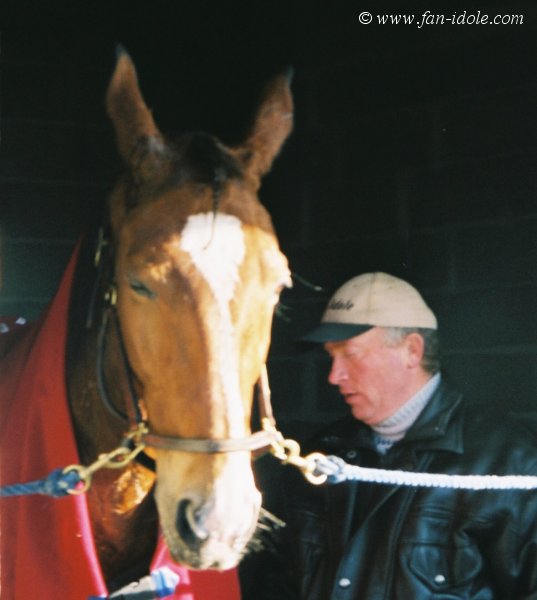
120	504
96	430
124	522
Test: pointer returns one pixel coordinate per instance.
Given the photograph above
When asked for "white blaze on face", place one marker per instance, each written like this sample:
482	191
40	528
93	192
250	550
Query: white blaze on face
216	245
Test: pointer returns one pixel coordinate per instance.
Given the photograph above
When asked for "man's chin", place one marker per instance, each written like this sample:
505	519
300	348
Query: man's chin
358	411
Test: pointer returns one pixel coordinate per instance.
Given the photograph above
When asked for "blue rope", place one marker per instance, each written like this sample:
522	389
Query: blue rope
57	484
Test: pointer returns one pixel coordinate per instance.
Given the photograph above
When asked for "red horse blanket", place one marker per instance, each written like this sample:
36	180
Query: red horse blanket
46	544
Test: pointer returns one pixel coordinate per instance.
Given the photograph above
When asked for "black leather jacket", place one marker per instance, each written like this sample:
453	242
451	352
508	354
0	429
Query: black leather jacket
359	541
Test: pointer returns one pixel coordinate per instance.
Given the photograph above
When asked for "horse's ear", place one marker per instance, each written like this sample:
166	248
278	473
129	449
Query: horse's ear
139	141
272	125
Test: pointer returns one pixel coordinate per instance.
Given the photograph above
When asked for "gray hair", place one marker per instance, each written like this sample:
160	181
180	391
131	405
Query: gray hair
431	350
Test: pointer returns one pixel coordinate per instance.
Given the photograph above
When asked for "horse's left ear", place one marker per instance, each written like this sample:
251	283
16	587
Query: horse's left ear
272	125
139	140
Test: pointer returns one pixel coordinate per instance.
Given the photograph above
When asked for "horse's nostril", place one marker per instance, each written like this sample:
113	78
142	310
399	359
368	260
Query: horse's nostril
189	524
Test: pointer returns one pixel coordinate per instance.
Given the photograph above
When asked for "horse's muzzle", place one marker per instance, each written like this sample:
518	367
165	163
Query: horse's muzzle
204	538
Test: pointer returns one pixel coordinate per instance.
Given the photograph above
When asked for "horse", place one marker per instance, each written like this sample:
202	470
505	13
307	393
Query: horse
171	329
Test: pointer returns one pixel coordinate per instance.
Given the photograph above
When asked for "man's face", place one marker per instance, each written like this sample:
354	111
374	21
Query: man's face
373	376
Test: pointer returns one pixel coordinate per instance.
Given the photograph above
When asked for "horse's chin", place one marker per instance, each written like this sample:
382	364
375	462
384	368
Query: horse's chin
214	554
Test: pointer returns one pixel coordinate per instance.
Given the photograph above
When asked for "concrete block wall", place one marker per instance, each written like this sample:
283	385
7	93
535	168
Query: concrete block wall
418	159
57	163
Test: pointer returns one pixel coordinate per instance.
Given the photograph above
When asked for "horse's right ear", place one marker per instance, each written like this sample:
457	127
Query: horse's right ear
272	125
139	141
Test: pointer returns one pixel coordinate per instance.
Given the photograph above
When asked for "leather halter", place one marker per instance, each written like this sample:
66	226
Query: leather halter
255	441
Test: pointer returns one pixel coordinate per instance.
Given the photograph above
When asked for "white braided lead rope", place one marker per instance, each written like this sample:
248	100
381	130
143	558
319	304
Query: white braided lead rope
337	471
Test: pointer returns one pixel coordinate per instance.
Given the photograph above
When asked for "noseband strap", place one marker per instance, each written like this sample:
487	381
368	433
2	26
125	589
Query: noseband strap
255	441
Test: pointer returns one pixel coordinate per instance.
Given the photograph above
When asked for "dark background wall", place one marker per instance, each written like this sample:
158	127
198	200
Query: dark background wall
414	152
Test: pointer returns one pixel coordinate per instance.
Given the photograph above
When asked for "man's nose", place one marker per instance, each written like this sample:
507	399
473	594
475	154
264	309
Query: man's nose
337	372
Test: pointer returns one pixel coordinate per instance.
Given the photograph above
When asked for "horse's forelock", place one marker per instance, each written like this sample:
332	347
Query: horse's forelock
195	157
203	159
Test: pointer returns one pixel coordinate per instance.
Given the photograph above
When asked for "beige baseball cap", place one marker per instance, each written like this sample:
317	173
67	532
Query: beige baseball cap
372	300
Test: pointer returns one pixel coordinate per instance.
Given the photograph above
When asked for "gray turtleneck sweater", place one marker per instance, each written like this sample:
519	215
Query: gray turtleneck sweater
394	428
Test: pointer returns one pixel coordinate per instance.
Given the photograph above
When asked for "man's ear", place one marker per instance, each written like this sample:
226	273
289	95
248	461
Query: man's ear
415	346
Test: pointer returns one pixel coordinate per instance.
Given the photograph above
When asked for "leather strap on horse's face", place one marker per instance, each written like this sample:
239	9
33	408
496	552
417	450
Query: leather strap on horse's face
254	441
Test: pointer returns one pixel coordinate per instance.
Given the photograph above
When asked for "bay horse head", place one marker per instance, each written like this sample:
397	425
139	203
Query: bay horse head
197	271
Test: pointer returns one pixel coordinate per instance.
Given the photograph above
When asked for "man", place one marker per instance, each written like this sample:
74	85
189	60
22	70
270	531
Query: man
362	541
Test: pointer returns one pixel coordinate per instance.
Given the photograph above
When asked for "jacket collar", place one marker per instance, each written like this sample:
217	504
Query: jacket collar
439	427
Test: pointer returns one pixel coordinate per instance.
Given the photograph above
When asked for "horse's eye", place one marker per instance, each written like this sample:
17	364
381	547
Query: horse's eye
141	289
